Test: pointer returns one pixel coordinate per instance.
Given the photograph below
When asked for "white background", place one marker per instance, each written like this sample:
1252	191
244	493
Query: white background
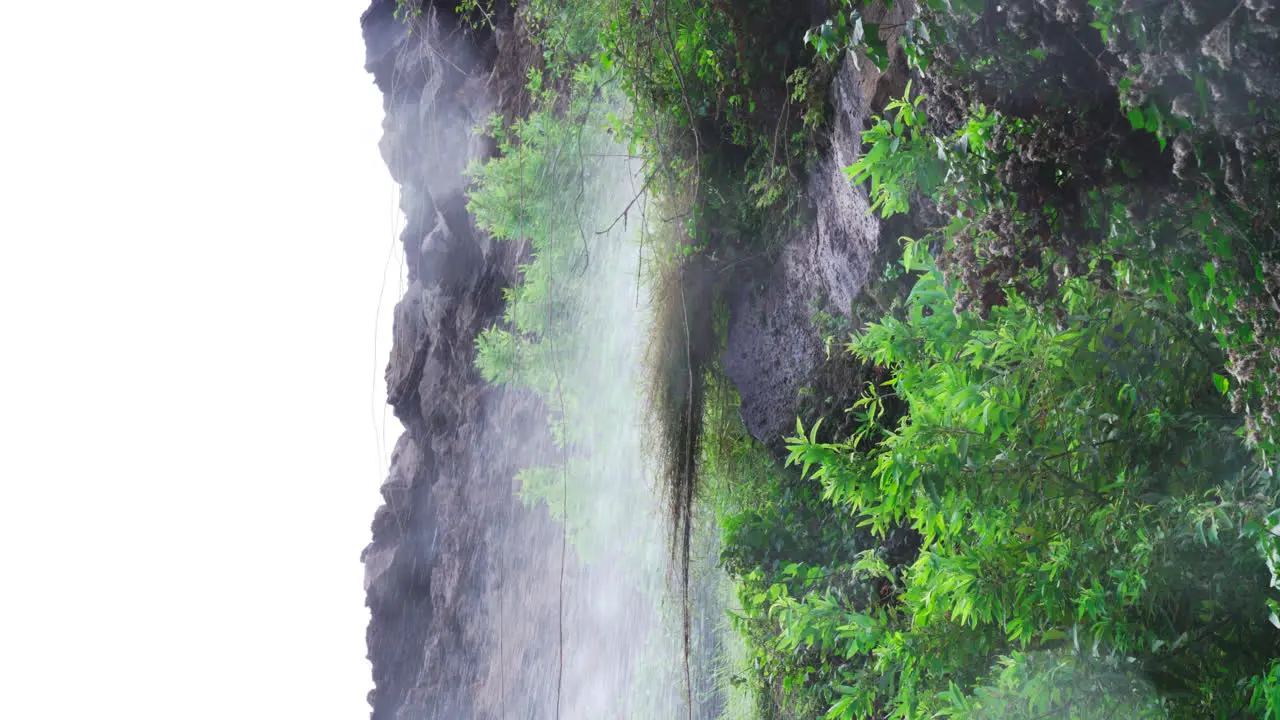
194	233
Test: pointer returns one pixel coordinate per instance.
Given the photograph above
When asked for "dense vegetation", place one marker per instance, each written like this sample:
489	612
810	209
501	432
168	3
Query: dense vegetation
1087	522
1047	488
1088	359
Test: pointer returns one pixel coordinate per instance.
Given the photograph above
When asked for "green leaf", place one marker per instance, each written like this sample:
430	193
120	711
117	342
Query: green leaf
1221	383
876	48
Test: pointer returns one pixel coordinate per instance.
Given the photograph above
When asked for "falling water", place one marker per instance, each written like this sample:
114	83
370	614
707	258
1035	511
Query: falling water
509	577
623	652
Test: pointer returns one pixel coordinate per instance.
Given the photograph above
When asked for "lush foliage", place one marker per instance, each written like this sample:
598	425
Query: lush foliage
1064	139
1081	486
1088	524
770	520
1090	376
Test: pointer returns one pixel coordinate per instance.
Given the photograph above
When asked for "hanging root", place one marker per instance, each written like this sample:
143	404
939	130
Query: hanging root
678	354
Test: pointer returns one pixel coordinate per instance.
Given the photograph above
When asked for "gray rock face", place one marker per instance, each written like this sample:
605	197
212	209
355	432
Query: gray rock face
773	348
450	537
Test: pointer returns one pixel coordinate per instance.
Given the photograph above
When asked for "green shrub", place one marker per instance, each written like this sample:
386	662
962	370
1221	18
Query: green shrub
1079	486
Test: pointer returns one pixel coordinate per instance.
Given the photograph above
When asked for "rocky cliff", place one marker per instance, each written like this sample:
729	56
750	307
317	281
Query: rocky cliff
773	347
450	540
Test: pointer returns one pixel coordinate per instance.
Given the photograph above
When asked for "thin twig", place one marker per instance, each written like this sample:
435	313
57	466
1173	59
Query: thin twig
627	209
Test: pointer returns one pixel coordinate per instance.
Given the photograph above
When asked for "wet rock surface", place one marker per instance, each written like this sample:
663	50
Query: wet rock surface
450	539
773	346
